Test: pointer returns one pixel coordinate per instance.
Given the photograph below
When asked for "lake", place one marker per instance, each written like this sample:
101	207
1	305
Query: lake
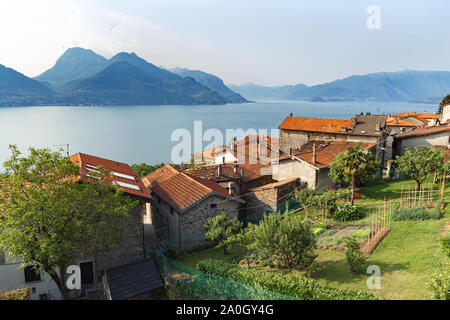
135	134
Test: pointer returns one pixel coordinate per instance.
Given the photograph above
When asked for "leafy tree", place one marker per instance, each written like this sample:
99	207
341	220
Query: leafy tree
289	239
50	218
220	229
357	163
419	162
144	169
445	101
311	198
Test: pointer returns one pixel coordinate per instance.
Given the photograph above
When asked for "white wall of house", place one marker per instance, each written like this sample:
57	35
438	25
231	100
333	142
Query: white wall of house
290	169
12	277
229	157
432	140
446	114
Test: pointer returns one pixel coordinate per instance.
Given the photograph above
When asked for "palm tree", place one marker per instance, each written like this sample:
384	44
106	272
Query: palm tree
356	162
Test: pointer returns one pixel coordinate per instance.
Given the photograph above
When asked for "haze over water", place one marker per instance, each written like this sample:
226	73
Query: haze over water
135	134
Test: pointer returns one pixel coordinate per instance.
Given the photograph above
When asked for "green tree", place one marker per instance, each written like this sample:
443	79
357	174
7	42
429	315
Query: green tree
50	218
420	162
357	164
144	169
445	101
220	229
289	239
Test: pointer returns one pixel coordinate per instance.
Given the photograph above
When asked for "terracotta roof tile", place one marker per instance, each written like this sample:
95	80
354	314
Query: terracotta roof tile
423	132
121	173
397	122
423	115
230	172
182	191
315	124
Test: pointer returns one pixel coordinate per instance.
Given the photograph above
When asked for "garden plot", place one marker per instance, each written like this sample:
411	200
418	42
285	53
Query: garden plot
333	238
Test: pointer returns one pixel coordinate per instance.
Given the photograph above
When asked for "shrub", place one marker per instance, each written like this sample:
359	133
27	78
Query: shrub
346	212
19	294
439	284
289	284
355	257
171	251
416	214
445	244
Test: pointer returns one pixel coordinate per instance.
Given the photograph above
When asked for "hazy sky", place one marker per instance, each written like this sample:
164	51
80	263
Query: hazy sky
265	42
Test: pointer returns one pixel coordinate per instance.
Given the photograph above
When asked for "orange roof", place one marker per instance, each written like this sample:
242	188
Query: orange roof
316	124
230	172
182	191
423	132
121	174
326	156
423	115
397	122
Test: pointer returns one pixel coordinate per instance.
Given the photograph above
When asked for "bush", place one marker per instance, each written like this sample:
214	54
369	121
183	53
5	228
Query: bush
439	283
171	251
355	257
289	284
445	244
346	212
19	294
416	214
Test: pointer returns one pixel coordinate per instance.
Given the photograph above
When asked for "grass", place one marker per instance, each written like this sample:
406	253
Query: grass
406	257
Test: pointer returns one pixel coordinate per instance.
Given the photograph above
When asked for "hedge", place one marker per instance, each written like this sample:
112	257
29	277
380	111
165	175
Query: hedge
298	286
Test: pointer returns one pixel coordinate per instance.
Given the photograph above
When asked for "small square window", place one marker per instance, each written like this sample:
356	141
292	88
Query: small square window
214	206
171	211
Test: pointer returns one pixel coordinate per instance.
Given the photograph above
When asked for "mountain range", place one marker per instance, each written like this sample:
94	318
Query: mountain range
403	86
82	77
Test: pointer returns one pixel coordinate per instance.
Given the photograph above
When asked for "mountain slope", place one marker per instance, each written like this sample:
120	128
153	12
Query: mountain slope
405	86
17	89
123	83
75	63
211	81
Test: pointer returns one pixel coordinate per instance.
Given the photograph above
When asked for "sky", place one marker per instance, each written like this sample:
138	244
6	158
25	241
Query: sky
274	42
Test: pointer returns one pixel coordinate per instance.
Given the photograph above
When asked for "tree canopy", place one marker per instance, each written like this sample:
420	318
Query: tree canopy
220	230
50	218
420	162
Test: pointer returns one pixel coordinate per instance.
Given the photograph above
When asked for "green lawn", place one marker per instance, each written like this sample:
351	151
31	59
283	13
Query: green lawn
407	257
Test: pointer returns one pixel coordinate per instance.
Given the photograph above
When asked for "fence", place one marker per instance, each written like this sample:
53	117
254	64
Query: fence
184	282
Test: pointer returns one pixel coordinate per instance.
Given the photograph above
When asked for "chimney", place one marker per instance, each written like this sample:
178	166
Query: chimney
291	115
291	152
235	167
314	158
223	160
378	126
230	188
219	171
242	173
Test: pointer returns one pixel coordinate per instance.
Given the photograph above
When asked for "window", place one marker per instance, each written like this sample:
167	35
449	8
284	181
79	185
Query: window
43	296
171	211
32	274
214	206
87	273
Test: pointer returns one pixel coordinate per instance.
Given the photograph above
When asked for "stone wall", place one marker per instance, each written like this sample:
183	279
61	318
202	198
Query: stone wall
130	249
192	222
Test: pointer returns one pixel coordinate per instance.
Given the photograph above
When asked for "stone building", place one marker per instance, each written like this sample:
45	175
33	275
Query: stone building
238	177
183	203
437	137
296	132
268	198
130	250
312	167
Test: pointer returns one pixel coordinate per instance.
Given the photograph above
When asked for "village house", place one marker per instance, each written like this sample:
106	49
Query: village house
130	250
253	149
182	204
312	166
235	177
445	109
372	129
420	119
436	137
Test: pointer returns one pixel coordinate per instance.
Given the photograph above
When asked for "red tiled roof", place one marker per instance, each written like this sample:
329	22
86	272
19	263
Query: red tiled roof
230	172
423	132
121	173
397	122
326	156
274	185
316	125
182	191
422	115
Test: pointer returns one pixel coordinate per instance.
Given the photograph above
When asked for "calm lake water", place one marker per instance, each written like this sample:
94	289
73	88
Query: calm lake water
135	134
